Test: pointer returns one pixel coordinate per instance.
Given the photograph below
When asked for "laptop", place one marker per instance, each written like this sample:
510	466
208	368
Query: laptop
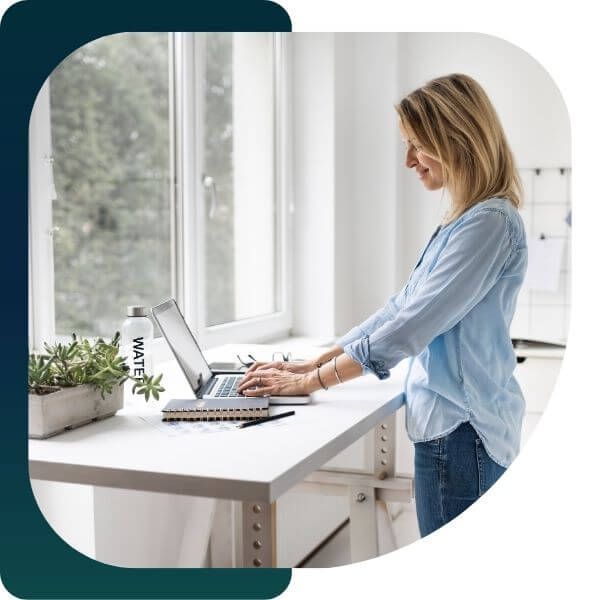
207	384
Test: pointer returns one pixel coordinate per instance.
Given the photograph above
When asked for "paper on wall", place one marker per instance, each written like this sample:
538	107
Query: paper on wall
550	186
544	264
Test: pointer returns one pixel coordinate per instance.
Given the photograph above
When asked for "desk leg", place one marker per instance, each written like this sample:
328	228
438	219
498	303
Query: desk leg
371	531
384	466
255	534
386	538
384	448
363	523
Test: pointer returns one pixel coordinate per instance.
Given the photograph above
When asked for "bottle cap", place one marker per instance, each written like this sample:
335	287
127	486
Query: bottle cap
137	311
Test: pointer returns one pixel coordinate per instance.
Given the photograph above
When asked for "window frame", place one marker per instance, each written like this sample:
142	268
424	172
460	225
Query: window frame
41	256
187	204
277	324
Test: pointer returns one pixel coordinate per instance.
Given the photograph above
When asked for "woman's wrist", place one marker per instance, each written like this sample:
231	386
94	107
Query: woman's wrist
311	380
317	378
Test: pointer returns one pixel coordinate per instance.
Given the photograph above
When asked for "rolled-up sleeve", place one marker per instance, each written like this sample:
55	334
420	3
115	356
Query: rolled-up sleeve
467	268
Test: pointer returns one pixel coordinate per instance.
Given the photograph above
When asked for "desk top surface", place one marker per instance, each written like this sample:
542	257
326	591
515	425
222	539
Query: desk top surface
134	450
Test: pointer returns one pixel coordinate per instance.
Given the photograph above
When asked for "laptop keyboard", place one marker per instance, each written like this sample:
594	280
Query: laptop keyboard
228	387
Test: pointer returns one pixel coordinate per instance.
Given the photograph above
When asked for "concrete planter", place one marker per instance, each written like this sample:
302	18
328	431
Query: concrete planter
68	408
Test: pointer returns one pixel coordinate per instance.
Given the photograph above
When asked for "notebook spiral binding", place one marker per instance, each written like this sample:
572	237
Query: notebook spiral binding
218	414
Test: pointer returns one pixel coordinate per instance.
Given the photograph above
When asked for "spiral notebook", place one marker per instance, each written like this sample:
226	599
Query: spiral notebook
216	409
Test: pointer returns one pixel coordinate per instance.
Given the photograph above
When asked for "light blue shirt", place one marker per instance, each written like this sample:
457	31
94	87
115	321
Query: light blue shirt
452	320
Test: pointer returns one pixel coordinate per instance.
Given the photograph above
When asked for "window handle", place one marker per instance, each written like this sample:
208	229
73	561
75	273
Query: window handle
209	184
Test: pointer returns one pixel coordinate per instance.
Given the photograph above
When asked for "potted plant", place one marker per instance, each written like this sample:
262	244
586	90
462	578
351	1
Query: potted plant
80	382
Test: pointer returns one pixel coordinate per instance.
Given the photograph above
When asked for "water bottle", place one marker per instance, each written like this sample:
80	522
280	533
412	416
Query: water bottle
137	334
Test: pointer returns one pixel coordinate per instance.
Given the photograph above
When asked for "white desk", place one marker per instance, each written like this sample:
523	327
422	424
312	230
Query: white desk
253	466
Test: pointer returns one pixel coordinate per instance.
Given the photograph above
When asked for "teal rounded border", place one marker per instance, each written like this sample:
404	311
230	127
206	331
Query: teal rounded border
35	36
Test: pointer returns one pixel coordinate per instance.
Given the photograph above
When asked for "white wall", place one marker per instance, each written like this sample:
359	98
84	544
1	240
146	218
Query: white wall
345	150
374	249
314	186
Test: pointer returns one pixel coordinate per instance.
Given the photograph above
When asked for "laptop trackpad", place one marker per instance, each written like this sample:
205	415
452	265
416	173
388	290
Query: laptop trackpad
281	400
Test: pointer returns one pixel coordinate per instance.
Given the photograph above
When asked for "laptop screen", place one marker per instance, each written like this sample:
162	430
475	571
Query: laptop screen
182	343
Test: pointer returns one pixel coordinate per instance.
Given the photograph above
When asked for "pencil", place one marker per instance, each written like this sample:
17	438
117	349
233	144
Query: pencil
265	419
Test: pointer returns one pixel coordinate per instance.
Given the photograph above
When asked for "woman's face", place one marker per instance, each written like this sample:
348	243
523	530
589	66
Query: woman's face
427	168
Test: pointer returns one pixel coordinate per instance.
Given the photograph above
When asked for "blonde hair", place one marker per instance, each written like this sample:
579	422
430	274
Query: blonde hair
454	121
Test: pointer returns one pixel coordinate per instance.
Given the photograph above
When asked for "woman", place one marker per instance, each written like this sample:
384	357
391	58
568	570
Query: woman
463	406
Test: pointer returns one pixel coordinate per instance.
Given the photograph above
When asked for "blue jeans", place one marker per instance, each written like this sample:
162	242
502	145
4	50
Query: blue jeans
451	472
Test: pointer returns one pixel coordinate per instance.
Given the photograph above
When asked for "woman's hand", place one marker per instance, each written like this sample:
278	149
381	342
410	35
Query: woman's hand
280	378
276	382
291	367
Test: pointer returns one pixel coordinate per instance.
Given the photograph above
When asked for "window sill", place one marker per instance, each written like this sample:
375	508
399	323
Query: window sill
161	352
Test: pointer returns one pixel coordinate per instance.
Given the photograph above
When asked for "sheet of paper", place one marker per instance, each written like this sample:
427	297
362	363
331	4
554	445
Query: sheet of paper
551	187
544	264
177	428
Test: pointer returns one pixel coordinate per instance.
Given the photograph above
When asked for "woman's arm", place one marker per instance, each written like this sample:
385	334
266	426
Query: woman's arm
369	325
328	355
470	264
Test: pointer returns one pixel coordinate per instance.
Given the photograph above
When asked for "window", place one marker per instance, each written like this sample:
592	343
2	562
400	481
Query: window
240	259
157	169
109	124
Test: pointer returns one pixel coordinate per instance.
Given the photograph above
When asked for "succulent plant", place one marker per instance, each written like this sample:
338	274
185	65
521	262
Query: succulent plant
83	362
